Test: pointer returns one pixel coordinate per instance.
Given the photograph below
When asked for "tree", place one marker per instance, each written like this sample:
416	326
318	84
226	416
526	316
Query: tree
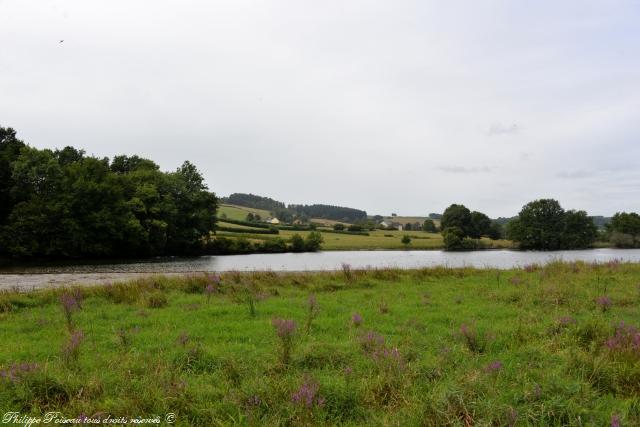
429	226
624	230
338	227
544	225
406	241
495	231
579	230
458	216
250	217
481	225
63	203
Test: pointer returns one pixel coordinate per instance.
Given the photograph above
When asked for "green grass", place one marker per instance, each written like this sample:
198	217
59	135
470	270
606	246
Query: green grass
160	345
378	239
240	212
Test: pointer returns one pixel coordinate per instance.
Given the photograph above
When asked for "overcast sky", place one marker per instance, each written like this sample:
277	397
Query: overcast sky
388	106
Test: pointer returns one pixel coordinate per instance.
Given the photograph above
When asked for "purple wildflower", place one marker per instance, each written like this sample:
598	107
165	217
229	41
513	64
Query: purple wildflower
14	373
356	319
615	420
70	305
71	349
285	330
530	268
307	395
371	342
494	366
626	340
254	401
348	371
604	302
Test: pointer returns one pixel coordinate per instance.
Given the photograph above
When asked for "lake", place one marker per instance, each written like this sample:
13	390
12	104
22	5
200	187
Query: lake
37	276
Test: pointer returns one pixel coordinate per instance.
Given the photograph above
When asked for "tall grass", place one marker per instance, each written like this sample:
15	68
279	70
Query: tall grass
539	346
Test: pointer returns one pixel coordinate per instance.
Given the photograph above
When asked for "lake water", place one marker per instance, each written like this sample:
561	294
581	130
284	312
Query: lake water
333	260
55	275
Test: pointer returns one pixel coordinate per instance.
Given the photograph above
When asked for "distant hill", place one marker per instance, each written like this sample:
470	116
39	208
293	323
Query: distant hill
279	209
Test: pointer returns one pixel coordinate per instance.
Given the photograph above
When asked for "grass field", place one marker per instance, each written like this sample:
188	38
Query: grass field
239	212
539	346
378	239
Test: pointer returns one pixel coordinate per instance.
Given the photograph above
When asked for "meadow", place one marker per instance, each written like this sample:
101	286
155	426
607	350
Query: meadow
544	346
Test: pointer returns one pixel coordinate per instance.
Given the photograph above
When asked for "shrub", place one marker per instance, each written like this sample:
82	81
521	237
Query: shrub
338	227
406	240
313	242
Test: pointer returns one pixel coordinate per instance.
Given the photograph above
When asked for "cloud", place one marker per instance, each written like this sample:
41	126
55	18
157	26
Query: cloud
463	169
498	129
577	174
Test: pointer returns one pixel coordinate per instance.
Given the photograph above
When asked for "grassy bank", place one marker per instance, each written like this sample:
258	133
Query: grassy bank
533	346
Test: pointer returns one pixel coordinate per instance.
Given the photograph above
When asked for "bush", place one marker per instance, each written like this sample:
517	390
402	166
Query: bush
338	227
313	242
622	240
452	237
297	243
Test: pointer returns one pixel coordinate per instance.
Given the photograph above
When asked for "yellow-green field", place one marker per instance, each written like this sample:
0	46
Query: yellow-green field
378	239
240	212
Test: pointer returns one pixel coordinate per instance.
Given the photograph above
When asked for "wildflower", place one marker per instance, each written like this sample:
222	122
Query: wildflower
615	420
17	371
604	302
530	268
626	340
348	371
356	319
494	366
371	342
70	305
285	330
254	401
312	311
307	395
71	349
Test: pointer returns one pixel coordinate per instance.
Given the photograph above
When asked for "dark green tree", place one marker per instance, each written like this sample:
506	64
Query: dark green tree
429	226
458	216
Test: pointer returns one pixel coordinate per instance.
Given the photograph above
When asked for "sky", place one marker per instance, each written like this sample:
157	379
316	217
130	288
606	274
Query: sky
388	106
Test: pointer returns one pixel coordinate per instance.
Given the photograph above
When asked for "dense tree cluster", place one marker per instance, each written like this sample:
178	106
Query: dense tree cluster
624	230
336	213
253	201
544	225
64	203
462	229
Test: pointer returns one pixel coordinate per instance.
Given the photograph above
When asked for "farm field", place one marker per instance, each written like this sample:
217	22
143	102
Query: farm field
534	346
239	212
378	239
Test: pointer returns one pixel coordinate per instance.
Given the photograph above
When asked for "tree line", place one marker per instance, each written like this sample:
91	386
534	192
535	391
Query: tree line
64	203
